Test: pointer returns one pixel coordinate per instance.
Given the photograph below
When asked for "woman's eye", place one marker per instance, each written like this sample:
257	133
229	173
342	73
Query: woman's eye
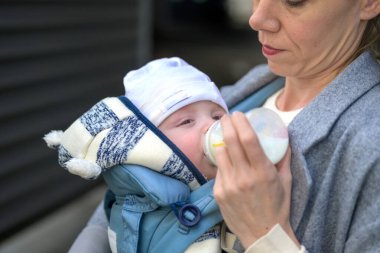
295	3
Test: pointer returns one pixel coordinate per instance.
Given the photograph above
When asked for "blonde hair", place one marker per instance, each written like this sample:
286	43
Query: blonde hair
371	38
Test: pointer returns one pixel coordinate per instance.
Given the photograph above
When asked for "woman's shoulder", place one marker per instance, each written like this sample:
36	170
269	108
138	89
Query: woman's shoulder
365	110
359	127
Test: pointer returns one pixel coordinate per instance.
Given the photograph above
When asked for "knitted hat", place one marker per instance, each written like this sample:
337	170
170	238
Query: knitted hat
165	85
114	131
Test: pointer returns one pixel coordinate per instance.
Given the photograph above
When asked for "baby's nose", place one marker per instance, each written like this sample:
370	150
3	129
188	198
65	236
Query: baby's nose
208	123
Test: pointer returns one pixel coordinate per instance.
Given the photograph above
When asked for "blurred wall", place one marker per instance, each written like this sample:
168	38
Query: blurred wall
212	35
58	57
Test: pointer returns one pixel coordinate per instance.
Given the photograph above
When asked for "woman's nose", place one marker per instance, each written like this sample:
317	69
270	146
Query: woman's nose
264	16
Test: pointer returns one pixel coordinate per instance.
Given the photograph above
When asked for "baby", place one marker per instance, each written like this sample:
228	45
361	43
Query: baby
159	124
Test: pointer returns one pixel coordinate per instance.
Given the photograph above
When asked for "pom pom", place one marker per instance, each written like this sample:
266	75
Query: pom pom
83	168
53	139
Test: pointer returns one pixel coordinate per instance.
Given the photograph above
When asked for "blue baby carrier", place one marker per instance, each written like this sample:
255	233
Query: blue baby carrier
151	212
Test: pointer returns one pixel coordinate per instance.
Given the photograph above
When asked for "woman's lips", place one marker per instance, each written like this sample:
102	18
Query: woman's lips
267	50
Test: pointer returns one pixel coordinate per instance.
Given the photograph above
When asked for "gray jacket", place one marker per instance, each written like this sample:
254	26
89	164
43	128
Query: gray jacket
335	160
335	144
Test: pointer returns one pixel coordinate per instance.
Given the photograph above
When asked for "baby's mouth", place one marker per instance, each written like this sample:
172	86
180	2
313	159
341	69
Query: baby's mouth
209	162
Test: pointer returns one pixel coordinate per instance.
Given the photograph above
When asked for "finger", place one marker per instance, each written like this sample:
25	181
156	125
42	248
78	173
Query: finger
285	159
283	166
233	147
249	142
223	173
223	162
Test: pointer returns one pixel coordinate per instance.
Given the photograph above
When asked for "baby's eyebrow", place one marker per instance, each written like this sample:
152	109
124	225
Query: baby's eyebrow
179	118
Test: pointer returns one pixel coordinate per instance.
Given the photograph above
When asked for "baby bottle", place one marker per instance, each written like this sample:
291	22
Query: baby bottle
269	128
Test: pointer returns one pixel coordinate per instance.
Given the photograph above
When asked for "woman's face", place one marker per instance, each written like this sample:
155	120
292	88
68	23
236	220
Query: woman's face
307	38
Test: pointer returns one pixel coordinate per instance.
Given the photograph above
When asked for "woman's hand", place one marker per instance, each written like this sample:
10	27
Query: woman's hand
252	193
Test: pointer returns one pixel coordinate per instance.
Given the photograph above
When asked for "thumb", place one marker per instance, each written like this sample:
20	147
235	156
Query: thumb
283	167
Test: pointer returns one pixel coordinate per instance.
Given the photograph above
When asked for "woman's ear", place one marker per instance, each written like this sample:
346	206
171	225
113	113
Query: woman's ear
369	9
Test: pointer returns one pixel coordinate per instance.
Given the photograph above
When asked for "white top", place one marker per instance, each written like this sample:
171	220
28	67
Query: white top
287	116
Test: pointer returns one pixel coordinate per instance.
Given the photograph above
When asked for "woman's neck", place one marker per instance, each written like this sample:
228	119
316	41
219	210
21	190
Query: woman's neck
299	92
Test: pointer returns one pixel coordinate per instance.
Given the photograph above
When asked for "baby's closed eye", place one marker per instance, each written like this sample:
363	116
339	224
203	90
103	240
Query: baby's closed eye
185	122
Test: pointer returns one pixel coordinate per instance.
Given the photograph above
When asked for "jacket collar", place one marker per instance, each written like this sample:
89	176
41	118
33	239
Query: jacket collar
316	120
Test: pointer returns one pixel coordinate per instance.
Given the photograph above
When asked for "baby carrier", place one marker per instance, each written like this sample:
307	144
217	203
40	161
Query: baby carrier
159	209
169	217
160	206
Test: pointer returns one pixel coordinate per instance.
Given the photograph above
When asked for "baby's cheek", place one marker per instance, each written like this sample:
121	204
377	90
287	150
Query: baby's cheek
190	146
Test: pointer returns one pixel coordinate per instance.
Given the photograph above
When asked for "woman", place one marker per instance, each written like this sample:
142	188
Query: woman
332	83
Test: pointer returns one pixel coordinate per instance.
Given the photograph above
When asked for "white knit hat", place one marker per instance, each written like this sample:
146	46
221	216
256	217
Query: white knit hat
163	86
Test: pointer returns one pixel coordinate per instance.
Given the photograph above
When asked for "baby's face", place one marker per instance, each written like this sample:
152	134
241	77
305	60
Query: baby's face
186	127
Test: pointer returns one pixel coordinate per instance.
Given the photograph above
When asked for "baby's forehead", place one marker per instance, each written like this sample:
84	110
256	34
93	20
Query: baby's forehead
193	110
200	107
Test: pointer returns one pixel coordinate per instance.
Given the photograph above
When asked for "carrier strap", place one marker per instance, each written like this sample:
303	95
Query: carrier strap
258	98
